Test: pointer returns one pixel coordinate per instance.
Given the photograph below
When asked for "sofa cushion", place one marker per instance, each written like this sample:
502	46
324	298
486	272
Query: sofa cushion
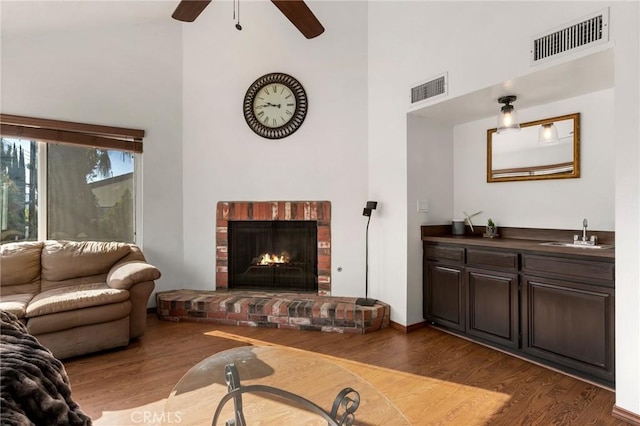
16	304
62	260
20	267
74	297
78	317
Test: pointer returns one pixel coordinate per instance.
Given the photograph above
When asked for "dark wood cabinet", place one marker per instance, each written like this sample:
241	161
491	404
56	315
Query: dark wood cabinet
492	296
568	313
492	306
474	291
554	309
444	295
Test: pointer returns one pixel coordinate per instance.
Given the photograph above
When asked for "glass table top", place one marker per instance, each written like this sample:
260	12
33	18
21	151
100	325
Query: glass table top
196	397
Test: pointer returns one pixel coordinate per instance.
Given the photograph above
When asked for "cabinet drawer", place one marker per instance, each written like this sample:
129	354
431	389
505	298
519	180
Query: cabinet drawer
486	258
432	252
587	270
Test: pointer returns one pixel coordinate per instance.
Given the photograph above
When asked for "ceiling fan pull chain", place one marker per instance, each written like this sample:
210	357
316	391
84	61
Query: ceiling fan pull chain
238	26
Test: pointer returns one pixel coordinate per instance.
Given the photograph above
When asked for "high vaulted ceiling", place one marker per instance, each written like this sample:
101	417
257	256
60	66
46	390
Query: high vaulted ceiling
33	17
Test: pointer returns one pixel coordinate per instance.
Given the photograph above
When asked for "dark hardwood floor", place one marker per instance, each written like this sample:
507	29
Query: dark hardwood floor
432	377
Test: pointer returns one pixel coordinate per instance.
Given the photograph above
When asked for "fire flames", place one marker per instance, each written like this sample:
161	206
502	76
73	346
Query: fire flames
271	259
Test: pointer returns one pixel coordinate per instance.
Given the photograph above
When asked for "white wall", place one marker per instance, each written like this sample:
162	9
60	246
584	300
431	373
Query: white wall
326	159
127	77
557	204
627	142
429	178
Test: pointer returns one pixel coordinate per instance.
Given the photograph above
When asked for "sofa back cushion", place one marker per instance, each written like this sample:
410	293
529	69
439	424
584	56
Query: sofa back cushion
20	268
64	260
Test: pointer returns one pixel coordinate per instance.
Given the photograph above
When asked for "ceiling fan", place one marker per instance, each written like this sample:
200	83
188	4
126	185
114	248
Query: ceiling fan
295	10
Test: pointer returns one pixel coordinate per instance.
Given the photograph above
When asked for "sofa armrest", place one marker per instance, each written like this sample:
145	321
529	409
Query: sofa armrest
125	275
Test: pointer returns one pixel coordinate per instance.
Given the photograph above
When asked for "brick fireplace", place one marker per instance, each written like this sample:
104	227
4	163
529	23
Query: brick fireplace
318	211
286	310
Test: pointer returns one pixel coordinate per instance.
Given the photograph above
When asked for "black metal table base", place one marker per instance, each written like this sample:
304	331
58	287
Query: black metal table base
342	412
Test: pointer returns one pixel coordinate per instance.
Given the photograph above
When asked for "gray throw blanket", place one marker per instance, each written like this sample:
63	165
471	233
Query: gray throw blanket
34	384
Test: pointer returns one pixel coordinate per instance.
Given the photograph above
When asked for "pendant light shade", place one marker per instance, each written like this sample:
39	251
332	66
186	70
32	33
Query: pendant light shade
548	134
507	117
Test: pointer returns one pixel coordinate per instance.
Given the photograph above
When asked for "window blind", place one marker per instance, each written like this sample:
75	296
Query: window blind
56	131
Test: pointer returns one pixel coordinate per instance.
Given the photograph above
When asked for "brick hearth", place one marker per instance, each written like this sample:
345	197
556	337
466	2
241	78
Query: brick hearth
274	310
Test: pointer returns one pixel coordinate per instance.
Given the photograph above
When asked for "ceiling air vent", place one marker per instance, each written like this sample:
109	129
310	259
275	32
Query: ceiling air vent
429	90
569	38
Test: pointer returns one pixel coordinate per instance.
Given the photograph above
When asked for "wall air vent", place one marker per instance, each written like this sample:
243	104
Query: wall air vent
569	38
428	90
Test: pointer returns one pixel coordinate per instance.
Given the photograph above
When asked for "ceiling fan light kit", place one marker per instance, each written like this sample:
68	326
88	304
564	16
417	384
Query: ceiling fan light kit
296	11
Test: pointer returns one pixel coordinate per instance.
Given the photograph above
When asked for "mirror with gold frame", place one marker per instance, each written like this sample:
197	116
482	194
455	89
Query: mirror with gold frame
527	155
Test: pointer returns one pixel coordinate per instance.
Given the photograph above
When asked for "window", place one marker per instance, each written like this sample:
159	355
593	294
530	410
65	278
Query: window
61	180
18	190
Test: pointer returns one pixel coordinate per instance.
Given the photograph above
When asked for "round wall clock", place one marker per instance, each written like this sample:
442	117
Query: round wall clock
275	105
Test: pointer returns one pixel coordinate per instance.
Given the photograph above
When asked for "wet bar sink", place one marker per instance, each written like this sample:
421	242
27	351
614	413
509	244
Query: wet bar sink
572	245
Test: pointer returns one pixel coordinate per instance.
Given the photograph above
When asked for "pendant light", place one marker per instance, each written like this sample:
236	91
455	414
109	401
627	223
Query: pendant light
507	118
548	134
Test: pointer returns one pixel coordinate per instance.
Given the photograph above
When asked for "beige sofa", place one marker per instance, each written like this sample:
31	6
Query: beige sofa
77	297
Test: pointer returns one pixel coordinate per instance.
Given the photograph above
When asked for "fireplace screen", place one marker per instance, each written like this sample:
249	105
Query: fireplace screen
273	255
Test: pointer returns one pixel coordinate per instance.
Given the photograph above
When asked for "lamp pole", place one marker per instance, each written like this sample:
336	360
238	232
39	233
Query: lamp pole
371	205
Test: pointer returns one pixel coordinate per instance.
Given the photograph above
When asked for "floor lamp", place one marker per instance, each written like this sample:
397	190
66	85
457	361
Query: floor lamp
371	205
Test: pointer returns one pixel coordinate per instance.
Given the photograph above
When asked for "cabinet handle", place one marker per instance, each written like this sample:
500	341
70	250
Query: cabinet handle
442	268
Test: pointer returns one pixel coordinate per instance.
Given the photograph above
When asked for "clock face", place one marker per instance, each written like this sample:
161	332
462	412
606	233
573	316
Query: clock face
275	105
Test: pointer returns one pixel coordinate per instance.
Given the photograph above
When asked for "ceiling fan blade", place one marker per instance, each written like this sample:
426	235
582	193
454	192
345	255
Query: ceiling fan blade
188	10
301	16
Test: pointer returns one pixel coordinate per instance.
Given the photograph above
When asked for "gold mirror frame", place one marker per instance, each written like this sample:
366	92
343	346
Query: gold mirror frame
523	147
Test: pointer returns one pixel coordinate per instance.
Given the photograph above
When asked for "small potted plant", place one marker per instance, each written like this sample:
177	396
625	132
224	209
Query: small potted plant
491	230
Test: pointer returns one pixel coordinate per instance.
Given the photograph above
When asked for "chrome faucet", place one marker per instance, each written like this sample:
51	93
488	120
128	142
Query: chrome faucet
588	242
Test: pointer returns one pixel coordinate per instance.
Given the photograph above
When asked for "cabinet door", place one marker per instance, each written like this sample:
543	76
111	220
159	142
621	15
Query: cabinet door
569	323
443	288
492	306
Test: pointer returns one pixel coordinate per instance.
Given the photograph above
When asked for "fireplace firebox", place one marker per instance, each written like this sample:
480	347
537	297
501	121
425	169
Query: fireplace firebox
273	255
